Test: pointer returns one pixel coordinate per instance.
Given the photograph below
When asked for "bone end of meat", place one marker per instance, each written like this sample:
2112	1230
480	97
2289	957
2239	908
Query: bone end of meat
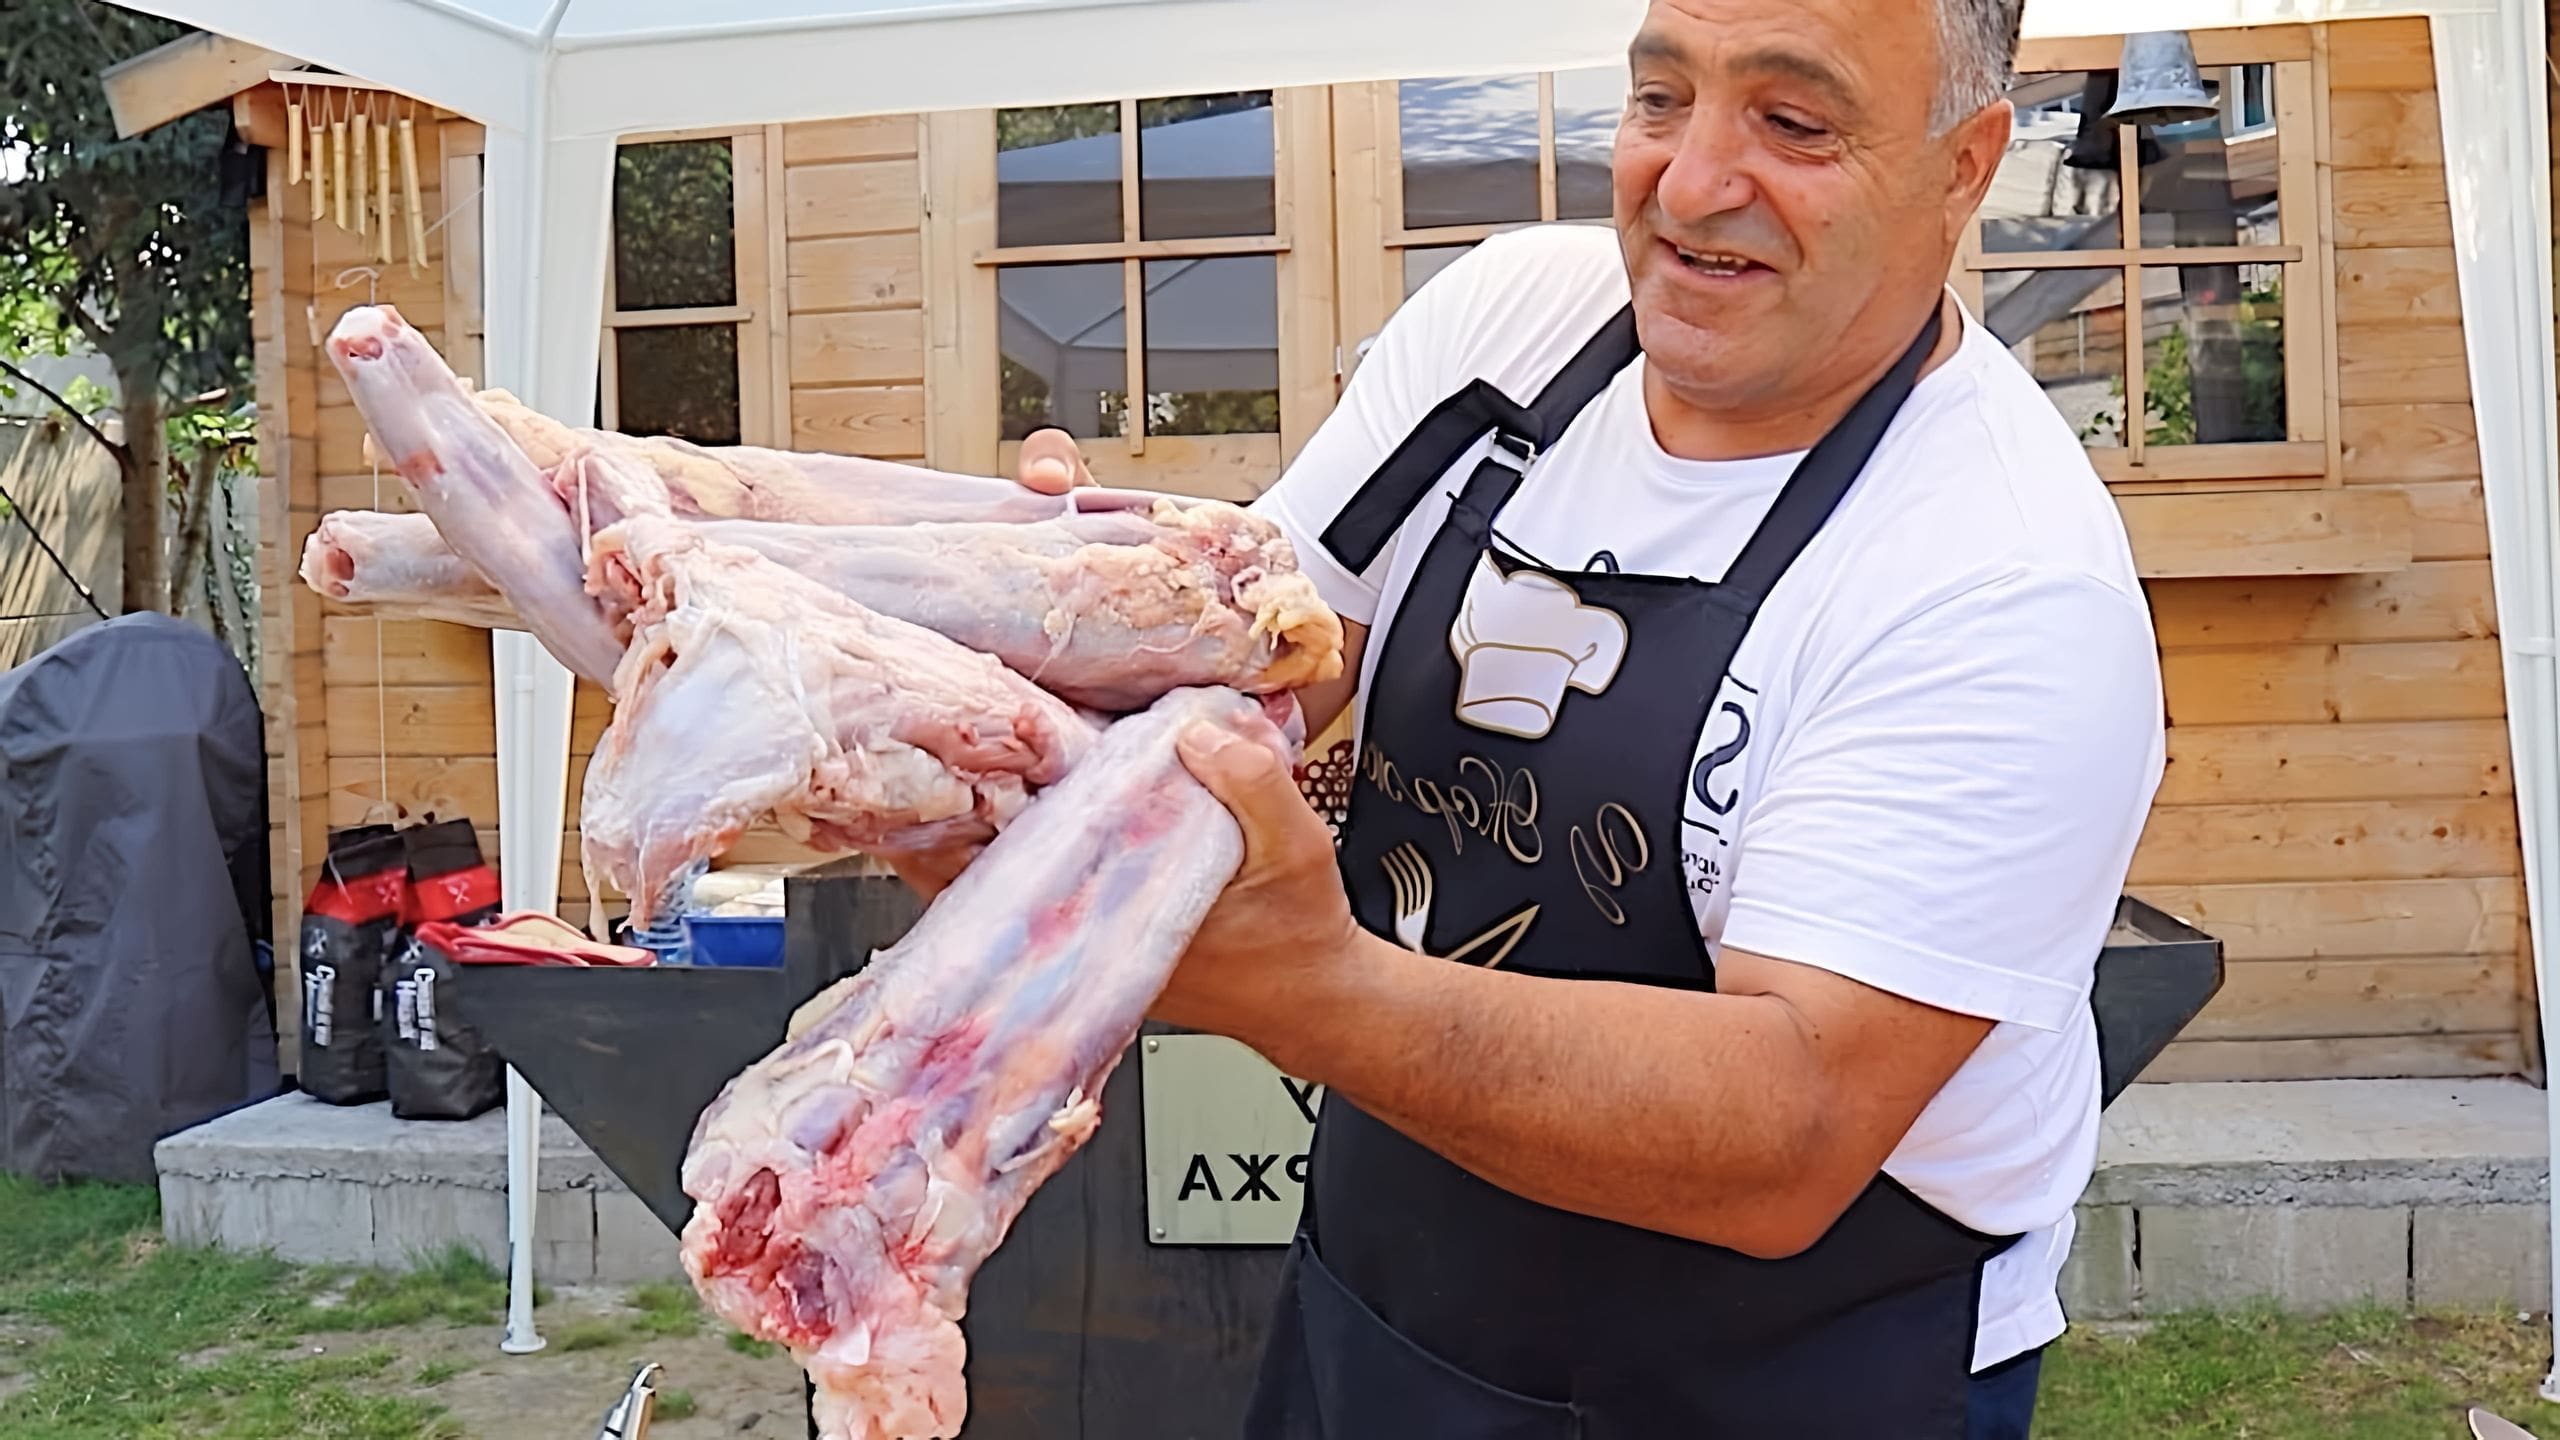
848	1186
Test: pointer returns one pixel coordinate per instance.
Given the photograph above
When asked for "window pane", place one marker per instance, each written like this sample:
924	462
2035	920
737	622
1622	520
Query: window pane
2067	328
2058	186
1065	361
1058	175
1213	346
1423	263
1470	150
2201	186
1205	166
679	380
2213	354
675	224
1588	106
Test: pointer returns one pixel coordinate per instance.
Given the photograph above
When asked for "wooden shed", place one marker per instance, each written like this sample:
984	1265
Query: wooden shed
2278	303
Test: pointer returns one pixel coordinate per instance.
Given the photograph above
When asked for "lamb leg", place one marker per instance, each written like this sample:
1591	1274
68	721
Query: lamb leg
1108	610
849	1185
484	497
748	482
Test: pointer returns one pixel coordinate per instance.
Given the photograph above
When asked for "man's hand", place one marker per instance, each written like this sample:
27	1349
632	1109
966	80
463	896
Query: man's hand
1284	920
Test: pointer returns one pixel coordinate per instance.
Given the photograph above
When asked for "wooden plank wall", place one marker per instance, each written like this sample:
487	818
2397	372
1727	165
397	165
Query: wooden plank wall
2339	806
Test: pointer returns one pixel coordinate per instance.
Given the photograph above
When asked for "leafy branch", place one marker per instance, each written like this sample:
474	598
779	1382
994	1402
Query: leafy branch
66	407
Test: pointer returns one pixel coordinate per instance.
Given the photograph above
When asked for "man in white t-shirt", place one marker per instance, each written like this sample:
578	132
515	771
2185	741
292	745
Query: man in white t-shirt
1756	700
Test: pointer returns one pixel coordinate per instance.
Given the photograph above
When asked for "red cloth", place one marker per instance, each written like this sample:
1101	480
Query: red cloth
527	938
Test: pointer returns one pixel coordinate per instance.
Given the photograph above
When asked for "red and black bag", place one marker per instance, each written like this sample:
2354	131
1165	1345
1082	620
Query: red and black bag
350	923
439	1068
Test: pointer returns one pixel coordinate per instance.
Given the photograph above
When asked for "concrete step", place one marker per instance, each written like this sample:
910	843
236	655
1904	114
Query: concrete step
322	1183
2308	1193
2316	1194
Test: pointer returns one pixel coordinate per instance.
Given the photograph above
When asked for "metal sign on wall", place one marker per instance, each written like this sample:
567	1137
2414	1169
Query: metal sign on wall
1226	1141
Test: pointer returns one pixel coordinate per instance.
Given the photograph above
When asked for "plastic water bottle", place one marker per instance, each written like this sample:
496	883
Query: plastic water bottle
666	935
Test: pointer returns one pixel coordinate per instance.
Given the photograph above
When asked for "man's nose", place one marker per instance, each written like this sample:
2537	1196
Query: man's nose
1709	174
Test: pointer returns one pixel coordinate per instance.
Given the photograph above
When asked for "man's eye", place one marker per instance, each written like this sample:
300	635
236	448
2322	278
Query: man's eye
1654	102
1796	129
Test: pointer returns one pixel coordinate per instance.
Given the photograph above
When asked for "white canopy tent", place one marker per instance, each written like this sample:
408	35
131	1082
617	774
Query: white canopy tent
556	81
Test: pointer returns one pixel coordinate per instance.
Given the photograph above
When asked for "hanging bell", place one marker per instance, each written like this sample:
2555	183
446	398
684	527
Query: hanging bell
2095	146
2160	84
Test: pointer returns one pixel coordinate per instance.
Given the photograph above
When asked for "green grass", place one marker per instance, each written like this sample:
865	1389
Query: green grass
675	1405
667	1310
436	1372
142	1341
457	1287
746	1344
2253	1375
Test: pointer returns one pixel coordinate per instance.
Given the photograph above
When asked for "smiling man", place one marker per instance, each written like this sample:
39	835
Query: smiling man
1757	711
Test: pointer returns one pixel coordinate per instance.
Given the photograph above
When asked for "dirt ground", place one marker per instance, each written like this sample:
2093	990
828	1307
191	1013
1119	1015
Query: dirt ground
563	1391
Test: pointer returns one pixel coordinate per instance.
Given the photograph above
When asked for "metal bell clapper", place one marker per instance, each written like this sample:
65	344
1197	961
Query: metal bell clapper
2159	83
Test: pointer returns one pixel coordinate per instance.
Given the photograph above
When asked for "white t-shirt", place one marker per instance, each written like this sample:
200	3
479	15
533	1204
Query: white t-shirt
1935	750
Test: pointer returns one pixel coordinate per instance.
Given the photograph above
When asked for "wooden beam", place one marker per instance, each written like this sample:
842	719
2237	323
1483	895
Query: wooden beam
182	77
2268	532
259	115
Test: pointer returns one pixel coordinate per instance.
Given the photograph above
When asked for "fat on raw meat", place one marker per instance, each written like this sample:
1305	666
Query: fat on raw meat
849	1185
749	690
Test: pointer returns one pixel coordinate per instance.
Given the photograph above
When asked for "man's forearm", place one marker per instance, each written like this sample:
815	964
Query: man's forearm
1697	1114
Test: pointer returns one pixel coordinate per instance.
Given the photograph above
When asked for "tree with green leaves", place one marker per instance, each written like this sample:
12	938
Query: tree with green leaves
131	247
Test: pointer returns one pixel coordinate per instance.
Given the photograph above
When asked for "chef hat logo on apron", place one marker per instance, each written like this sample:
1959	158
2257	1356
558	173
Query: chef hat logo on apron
1521	640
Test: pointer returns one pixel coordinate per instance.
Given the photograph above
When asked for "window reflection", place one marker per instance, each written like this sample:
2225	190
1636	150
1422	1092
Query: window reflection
679	380
1589	104
2067	328
1063	335
675	223
2213	354
1213	346
1470	150
1058	175
1205	166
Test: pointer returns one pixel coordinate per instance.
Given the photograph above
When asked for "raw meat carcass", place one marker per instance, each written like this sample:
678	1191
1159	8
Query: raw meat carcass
749	691
400	566
486	499
849	1185
1109	609
748	482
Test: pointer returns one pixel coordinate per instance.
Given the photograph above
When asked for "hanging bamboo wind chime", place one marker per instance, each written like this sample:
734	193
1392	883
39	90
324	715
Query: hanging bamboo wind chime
341	142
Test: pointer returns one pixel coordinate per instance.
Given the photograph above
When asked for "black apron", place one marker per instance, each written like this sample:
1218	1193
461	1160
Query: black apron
1491	824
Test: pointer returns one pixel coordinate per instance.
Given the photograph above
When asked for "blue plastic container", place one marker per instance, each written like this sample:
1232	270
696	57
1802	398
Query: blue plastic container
749	940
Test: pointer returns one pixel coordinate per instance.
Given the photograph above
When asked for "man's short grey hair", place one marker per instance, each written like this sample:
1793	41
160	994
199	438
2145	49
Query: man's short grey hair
1977	45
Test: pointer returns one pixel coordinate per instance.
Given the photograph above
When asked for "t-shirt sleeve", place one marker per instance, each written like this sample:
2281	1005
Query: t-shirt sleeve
1951	815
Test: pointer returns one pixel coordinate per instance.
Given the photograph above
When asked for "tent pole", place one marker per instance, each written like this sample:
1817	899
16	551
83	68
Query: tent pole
2490	89
547	210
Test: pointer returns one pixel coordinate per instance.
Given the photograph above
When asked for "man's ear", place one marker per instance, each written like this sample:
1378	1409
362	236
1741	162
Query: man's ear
1976	147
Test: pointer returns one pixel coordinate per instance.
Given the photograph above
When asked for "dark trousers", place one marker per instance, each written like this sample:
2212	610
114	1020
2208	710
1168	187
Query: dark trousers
2004	1399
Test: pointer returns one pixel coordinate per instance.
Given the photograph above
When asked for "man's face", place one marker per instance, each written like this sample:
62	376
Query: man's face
1786	216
